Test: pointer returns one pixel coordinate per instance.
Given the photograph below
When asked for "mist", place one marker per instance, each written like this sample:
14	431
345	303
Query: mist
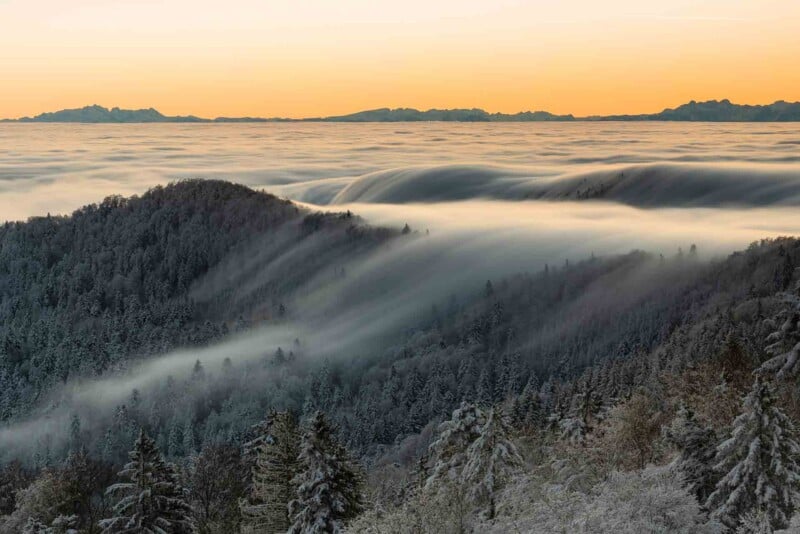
56	168
482	203
357	304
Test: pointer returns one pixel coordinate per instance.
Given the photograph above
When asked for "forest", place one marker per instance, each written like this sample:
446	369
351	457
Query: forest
199	359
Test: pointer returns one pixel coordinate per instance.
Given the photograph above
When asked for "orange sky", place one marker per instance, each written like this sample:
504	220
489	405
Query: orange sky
303	58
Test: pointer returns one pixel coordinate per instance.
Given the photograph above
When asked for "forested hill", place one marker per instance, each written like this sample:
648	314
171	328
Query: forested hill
599	392
80	294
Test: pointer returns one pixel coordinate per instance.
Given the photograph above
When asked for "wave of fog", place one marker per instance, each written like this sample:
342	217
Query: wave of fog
95	400
57	168
460	245
717	186
653	185
454	248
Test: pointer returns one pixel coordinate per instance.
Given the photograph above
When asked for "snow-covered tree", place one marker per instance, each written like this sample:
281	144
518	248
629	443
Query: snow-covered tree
572	429
491	460
34	526
652	500
37	504
276	453
151	501
697	449
448	450
754	522
473	452
759	462
527	411
60	525
329	484
783	344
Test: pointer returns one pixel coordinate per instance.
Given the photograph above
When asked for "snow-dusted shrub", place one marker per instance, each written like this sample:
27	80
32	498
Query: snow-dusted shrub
653	500
447	511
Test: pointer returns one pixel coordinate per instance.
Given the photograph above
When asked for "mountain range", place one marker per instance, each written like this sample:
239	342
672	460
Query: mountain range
709	111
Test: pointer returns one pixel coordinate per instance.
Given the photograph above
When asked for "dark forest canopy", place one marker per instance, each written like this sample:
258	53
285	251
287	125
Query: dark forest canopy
80	294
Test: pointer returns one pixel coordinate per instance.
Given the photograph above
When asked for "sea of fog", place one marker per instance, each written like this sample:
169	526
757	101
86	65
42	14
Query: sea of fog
485	201
59	167
622	185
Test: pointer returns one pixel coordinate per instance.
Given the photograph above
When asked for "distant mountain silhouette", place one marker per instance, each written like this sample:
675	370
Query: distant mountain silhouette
710	111
100	114
719	111
447	115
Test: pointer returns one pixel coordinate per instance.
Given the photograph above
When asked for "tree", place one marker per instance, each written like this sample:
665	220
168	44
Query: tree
759	462
526	411
217	480
276	452
697	448
484	393
636	424
329	484
754	522
38	504
152	501
83	482
784	343
448	451
13	477
491	460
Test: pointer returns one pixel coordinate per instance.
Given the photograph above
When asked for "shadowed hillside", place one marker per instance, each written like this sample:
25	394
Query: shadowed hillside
83	293
212	318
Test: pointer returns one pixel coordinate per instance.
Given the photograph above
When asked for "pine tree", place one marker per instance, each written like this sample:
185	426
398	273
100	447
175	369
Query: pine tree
276	452
189	446
491	460
75	433
152	501
329	483
527	411
759	462
503	375
466	378
755	522
175	441
697	447
484	391
448	451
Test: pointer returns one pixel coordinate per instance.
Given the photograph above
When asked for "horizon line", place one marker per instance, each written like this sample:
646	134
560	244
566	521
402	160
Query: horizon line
563	117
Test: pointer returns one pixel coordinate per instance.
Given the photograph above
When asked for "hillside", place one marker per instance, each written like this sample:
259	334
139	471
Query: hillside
578	376
84	293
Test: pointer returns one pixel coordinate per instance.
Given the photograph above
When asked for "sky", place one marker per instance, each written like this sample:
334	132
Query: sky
305	58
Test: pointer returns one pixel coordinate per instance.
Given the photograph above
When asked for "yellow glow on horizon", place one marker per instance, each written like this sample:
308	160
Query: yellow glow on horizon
316	57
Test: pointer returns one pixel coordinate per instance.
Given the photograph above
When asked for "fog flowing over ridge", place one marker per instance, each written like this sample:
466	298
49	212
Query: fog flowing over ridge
661	185
540	196
358	306
565	290
641	164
